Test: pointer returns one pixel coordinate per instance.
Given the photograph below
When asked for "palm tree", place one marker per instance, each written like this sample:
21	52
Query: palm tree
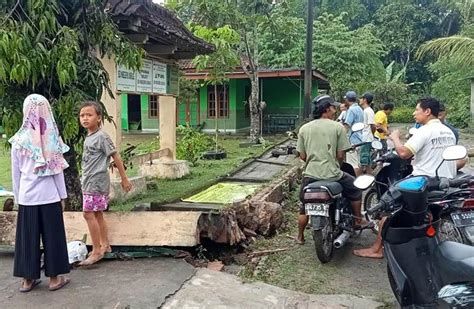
457	47
460	48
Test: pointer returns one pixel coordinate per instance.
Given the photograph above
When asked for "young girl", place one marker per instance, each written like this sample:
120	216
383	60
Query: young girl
38	188
98	148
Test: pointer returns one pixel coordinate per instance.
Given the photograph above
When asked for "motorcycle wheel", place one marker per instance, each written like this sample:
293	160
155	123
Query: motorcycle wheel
323	242
448	231
393	285
370	200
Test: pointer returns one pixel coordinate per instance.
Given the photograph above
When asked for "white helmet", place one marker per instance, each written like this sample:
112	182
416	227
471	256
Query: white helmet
77	251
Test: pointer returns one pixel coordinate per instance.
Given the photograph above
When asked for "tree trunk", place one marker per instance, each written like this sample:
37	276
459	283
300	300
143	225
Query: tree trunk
72	179
254	109
216	118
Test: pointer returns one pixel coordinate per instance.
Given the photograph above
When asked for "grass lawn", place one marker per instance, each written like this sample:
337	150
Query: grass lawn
5	167
5	170
202	175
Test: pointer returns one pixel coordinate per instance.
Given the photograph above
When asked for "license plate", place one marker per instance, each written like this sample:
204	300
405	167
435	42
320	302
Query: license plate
316	209
461	219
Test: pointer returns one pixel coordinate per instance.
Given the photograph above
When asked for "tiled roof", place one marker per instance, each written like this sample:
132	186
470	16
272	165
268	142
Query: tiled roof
161	24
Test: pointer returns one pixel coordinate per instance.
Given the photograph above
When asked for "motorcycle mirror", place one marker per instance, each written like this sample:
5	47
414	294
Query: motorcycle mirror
358	126
454	153
377	145
412	130
364	181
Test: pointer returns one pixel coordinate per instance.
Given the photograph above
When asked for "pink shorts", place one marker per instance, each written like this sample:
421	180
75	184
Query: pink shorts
94	202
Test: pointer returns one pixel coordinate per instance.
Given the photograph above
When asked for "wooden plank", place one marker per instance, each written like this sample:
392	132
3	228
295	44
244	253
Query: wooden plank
170	228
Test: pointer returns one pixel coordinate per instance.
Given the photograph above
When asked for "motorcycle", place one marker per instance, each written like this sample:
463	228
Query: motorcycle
330	214
423	271
390	168
457	211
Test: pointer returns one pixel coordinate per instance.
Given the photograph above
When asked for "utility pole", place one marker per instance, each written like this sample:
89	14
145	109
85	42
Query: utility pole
308	71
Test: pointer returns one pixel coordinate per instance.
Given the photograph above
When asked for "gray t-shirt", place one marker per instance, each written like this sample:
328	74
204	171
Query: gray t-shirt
98	147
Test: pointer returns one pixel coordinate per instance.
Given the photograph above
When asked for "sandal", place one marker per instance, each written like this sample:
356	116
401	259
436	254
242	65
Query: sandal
30	288
64	282
91	260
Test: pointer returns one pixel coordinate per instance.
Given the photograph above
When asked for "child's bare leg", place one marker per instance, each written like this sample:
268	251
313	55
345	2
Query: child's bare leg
94	231
104	235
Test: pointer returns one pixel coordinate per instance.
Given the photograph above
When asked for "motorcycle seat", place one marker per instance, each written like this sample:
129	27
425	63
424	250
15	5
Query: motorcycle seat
455	262
334	187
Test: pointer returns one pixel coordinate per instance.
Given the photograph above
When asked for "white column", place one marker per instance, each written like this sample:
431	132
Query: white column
113	105
167	106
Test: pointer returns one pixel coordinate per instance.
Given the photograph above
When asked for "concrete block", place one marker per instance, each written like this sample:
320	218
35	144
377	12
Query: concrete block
172	169
117	193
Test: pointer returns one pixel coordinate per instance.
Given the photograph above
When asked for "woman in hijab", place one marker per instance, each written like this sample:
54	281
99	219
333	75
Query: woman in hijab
38	187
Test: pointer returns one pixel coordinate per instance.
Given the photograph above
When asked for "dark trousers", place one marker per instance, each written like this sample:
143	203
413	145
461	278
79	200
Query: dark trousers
45	221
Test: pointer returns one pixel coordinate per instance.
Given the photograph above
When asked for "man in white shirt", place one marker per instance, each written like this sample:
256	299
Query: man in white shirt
427	147
368	133
428	142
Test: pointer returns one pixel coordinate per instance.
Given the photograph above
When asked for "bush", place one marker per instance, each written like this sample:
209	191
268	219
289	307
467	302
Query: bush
192	144
402	114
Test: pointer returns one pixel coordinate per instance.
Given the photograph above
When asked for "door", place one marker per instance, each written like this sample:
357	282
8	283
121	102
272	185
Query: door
134	112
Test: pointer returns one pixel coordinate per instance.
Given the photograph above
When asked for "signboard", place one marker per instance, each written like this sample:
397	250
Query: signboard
173	83
159	77
145	77
153	77
126	79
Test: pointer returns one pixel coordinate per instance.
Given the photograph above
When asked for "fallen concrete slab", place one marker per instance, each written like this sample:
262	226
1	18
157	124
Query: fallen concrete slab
169	228
212	289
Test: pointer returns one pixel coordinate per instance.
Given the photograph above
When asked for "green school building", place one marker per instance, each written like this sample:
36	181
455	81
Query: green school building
282	90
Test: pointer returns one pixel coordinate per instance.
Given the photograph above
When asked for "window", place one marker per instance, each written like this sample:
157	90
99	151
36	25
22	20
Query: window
222	102
153	106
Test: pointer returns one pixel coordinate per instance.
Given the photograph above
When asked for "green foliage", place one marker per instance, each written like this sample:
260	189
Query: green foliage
187	89
224	59
282	41
192	144
453	88
127	155
53	48
343	55
402	114
50	47
459	48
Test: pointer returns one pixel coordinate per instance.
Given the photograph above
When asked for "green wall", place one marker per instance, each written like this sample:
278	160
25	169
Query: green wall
223	124
284	95
147	122
193	112
242	120
124	112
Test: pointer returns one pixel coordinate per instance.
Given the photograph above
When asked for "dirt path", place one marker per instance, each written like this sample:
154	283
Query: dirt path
298	268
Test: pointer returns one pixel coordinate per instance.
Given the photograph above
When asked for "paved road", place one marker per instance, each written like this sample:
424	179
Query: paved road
161	283
140	283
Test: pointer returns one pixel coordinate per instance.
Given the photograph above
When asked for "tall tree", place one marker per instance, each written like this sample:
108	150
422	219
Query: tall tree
348	57
459	48
53	48
243	16
220	62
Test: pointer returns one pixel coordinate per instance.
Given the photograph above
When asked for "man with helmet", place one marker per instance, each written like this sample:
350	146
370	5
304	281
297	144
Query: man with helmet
322	144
